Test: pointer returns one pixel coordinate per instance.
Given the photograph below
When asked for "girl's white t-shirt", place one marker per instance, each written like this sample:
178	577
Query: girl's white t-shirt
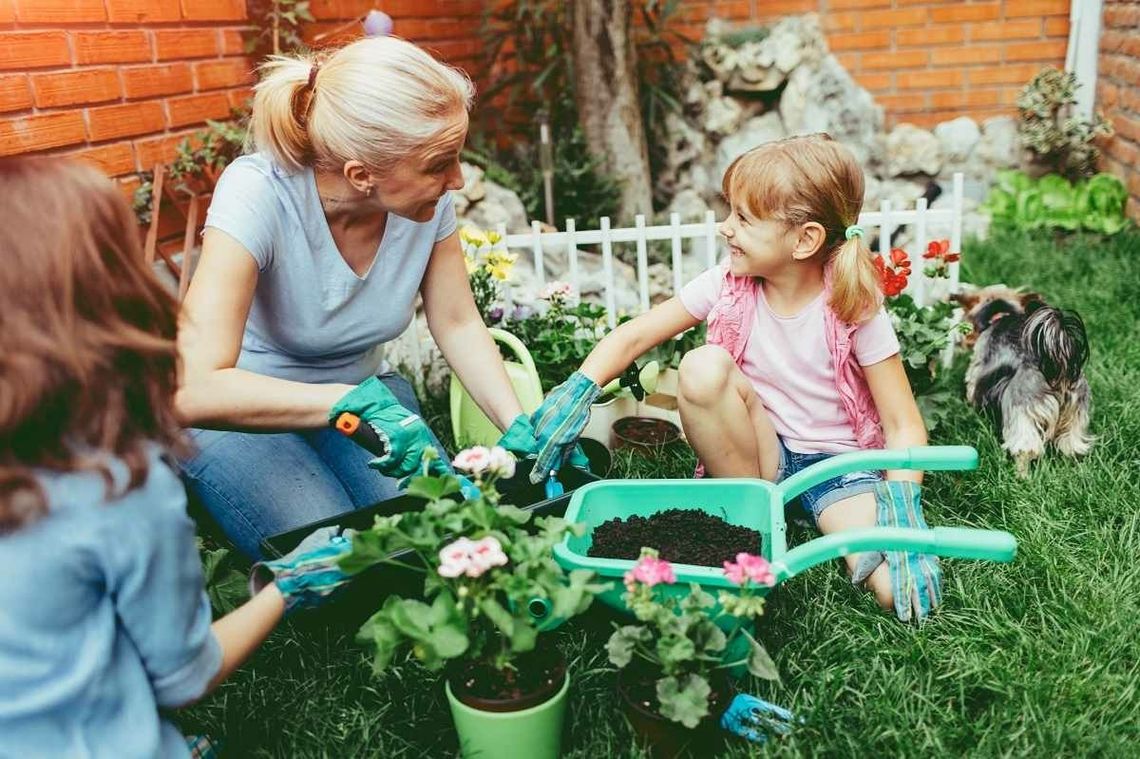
787	361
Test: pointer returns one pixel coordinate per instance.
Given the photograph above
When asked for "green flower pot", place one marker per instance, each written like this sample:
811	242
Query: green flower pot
534	732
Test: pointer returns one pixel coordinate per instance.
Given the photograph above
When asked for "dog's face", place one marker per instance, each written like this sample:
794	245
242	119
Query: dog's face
985	305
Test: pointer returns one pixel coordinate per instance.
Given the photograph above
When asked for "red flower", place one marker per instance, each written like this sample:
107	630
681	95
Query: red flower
899	257
893	277
940	249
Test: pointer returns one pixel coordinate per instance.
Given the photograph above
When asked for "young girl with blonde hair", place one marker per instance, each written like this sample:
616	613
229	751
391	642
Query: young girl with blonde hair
802	361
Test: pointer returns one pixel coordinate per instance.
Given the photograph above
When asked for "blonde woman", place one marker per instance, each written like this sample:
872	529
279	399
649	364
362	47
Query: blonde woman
315	248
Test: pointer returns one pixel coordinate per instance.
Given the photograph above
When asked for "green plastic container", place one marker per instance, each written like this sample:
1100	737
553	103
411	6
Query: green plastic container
469	424
759	505
534	733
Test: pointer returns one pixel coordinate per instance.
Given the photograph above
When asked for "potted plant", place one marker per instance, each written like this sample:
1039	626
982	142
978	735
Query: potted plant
491	587
674	665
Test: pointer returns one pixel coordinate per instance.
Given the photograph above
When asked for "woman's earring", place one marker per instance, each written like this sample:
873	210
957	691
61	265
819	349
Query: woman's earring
367	191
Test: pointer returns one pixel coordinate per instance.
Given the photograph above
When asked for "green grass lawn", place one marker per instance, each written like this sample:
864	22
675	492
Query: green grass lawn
1041	656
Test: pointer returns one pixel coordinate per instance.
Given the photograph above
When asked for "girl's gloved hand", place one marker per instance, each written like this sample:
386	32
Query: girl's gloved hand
559	421
916	578
403	434
308	574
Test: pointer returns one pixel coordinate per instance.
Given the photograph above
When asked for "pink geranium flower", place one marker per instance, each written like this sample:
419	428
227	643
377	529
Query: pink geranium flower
501	462
474	460
650	571
749	567
455	558
486	553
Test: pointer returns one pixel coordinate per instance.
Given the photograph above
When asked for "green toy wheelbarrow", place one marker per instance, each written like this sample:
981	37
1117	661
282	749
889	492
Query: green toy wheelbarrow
759	505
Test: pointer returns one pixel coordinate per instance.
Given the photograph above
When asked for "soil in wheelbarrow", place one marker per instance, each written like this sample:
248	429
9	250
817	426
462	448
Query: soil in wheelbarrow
682	536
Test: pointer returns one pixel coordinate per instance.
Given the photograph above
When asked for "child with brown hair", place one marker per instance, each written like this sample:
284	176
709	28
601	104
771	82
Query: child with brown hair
104	615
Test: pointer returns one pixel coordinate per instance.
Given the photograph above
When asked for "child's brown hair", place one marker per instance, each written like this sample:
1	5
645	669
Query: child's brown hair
88	367
813	178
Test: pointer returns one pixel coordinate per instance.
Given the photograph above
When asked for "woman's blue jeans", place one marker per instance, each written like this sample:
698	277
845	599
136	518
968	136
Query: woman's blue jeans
256	485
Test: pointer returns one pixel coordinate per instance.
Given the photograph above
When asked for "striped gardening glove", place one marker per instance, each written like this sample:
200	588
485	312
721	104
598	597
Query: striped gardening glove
558	423
308	574
916	578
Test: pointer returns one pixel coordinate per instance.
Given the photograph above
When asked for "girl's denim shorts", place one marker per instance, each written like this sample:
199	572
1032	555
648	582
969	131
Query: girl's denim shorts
817	498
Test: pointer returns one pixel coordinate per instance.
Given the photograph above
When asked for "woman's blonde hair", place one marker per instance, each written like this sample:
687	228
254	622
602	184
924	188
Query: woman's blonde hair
88	366
813	178
374	101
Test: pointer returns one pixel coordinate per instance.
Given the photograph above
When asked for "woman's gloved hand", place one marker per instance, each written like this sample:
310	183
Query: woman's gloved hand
559	421
403	435
308	574
519	438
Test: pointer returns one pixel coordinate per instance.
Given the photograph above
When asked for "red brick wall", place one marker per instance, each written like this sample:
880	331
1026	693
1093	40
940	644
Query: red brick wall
1118	93
120	82
926	61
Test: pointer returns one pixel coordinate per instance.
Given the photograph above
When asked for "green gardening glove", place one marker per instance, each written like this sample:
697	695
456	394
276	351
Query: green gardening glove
519	438
403	434
308	574
558	423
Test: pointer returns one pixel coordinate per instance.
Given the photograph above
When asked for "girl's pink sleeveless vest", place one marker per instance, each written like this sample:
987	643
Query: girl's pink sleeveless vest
730	323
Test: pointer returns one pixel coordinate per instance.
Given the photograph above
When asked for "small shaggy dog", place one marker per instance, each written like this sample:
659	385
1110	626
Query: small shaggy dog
1026	372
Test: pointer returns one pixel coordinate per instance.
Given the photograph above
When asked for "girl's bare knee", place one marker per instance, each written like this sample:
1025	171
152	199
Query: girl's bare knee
704	375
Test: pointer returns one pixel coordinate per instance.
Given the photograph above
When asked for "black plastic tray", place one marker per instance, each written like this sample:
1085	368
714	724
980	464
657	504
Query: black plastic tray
357	600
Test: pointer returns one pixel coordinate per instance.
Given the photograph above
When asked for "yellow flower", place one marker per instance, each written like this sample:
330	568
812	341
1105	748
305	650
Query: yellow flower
472	264
474	237
499	263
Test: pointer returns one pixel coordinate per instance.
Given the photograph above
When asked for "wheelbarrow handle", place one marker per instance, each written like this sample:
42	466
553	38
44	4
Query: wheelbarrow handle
929	457
954	542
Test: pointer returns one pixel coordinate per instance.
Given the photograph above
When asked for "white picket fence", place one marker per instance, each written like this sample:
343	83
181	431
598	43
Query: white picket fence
702	237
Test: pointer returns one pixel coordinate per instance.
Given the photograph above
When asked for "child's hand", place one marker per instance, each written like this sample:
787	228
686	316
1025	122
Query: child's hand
559	422
308	574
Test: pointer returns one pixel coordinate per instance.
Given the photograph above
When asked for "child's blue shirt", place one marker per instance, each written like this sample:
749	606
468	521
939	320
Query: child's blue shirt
103	619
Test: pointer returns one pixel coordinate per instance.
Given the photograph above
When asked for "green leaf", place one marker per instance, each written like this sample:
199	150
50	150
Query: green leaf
623	643
760	663
684	699
432	488
674	650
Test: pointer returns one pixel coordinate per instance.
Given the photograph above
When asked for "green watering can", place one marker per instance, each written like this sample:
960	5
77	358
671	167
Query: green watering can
470	425
759	505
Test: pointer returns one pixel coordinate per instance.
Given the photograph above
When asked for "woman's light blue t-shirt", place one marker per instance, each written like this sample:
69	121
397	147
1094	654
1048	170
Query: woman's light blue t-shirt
103	619
312	318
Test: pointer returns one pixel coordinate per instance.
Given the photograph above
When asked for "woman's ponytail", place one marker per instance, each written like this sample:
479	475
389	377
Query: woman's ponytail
855	291
281	103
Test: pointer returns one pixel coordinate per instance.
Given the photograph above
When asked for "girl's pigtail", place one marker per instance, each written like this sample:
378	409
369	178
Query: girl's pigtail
855	289
281	102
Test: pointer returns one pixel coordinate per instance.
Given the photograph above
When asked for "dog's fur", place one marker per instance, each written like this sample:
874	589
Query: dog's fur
1026	371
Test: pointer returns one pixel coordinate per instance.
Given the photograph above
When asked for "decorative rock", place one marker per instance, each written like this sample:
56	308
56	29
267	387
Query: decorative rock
499	205
911	150
723	116
756	131
764	65
957	138
999	146
473	188
824	98
689	204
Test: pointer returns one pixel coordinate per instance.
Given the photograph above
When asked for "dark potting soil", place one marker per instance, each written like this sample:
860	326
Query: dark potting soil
682	536
539	670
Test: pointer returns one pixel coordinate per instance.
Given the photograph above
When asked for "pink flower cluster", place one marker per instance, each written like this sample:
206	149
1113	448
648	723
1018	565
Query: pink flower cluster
748	567
557	291
482	460
471	557
650	570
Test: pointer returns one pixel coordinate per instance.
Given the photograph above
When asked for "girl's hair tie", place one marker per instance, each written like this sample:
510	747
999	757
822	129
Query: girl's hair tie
854	231
313	75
